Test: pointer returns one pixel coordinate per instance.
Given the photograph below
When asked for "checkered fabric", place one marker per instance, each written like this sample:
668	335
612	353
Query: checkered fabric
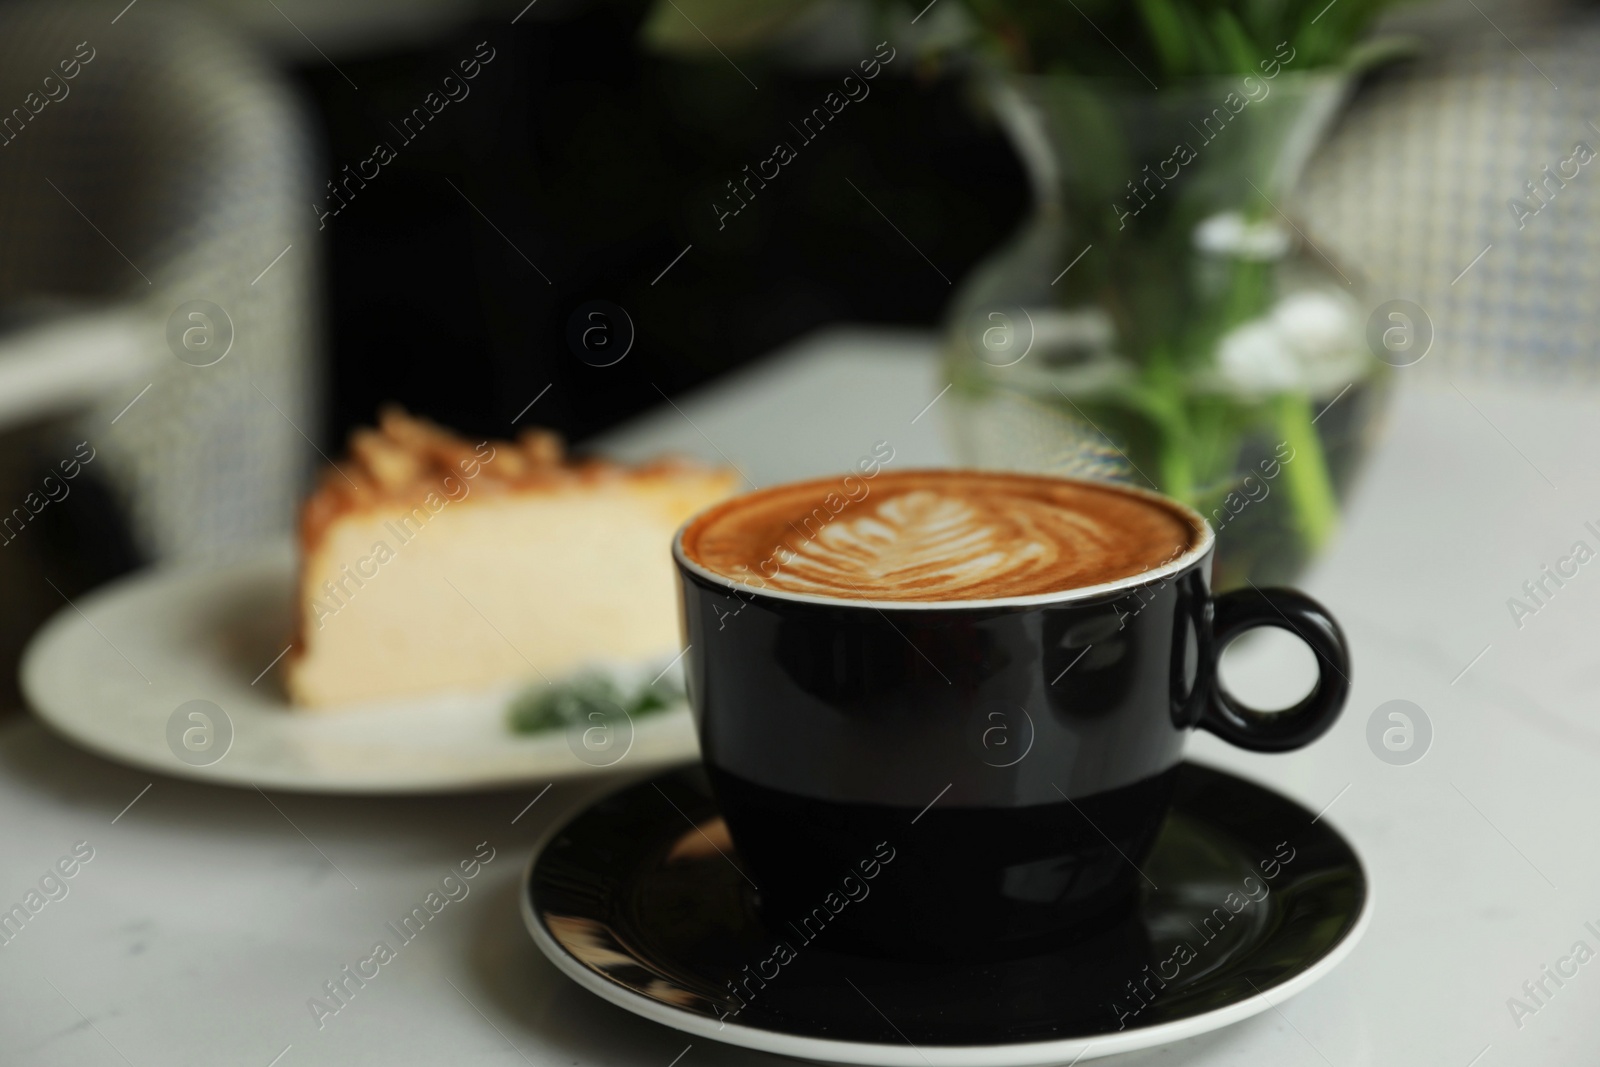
1416	183
173	166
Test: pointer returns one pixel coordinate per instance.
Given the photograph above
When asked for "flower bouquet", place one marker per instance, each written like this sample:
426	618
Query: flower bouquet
1161	317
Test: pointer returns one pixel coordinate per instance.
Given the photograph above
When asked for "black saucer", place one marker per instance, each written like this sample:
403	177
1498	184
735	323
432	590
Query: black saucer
641	899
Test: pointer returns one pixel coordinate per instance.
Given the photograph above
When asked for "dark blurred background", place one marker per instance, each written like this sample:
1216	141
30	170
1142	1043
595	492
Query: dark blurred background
600	163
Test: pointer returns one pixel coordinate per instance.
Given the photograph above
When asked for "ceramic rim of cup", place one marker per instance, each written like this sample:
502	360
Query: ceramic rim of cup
1178	564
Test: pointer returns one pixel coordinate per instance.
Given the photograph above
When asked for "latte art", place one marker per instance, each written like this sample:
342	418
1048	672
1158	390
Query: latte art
937	536
921	540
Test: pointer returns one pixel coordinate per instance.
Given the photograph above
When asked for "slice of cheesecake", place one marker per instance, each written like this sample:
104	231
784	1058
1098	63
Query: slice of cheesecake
430	563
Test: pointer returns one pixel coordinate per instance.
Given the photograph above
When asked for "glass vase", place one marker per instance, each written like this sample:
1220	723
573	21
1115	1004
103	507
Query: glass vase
1160	320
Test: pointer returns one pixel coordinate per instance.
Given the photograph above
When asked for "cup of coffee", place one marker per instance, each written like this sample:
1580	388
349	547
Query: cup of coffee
942	711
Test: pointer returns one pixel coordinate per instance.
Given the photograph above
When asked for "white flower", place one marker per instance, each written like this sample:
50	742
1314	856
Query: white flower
1257	358
1325	328
1308	340
1317	323
1229	233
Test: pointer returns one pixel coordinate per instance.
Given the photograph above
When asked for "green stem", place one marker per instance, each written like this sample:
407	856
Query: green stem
1177	470
1306	479
1218	441
1162	399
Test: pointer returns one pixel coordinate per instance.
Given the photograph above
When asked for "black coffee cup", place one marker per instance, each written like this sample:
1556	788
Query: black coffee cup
972	779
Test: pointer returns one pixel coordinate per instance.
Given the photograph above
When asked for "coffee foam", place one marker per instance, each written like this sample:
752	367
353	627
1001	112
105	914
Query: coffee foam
938	536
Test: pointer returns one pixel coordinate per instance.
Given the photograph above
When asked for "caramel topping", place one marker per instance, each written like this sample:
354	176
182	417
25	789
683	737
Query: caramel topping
405	458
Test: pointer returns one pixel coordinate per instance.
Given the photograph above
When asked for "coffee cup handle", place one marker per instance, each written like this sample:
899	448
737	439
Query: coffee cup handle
1277	731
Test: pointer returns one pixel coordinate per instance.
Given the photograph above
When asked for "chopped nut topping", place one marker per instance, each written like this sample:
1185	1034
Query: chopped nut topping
406	457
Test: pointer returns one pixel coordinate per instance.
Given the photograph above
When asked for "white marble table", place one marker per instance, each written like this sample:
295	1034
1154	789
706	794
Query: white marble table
208	917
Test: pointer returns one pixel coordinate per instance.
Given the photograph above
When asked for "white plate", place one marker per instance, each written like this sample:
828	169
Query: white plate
111	671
